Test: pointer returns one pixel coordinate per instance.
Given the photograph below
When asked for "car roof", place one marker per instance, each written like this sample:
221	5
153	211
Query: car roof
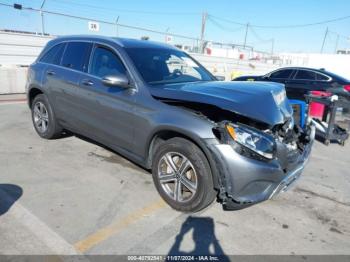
123	42
321	70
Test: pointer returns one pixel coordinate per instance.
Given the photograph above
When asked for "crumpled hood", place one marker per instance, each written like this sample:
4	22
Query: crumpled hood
251	99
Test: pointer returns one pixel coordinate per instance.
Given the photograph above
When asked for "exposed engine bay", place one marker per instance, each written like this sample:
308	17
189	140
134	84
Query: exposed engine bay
280	151
289	134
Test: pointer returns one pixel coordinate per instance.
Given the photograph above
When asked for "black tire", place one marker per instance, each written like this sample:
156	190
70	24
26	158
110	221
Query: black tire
205	193
53	129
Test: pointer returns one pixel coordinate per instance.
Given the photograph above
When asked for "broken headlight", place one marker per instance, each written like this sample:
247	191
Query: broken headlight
260	143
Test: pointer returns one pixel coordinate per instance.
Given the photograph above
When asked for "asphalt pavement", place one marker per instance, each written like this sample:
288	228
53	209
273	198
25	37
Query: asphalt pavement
71	196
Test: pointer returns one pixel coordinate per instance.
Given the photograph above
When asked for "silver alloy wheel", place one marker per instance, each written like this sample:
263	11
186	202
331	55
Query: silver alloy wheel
41	117
177	177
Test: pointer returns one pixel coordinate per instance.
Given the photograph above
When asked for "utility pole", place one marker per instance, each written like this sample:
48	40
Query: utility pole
42	17
168	39
272	46
116	26
324	40
246	35
204	21
336	44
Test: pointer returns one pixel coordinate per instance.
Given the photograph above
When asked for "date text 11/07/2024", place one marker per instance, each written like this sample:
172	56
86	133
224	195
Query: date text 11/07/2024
174	258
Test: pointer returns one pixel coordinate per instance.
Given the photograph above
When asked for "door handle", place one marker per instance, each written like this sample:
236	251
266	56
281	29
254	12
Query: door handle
87	82
50	72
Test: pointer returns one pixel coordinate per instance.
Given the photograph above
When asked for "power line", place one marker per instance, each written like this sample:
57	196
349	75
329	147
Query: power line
329	37
339	35
8	5
126	10
257	36
101	12
262	40
102	21
249	27
227	20
285	26
224	28
97	10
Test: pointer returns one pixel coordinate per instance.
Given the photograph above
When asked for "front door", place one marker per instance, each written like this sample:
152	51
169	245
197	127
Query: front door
282	76
107	111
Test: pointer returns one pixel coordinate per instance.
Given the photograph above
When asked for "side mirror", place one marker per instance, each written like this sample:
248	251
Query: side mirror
220	78
116	80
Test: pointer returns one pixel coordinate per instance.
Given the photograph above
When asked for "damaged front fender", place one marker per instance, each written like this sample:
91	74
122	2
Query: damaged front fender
247	181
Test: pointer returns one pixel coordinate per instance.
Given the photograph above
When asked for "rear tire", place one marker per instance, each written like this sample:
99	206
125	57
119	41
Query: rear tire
182	175
43	118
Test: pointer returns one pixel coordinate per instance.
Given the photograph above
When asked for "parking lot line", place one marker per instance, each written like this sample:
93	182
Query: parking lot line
5	103
55	243
14	101
106	232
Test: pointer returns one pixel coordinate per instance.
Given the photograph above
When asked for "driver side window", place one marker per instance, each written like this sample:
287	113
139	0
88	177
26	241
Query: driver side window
105	62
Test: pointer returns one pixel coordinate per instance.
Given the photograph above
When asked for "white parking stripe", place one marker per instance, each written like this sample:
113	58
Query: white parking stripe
12	103
50	238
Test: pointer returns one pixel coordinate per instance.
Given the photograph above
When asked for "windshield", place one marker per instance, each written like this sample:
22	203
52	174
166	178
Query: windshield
167	66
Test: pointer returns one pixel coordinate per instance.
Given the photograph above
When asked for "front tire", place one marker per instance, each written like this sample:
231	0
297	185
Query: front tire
43	118
182	175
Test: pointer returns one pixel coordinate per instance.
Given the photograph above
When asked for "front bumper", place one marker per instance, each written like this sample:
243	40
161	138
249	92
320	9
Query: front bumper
247	181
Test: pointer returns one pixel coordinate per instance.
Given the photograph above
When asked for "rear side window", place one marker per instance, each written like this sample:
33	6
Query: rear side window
105	62
320	77
76	55
54	55
282	74
305	75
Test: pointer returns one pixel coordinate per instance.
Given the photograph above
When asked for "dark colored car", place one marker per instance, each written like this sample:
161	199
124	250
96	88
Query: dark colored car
152	103
299	81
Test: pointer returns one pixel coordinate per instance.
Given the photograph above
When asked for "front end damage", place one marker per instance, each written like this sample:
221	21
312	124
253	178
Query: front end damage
250	174
257	150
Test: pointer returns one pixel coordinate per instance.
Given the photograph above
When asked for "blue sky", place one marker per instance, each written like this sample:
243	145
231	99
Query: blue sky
184	17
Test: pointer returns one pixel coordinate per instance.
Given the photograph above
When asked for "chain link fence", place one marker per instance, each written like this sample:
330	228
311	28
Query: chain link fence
19	49
45	22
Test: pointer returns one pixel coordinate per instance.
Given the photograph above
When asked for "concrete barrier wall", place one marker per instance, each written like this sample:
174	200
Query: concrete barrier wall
17	50
20	49
12	80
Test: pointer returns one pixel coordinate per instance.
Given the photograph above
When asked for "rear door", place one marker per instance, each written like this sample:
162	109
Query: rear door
322	83
106	111
303	82
50	78
66	81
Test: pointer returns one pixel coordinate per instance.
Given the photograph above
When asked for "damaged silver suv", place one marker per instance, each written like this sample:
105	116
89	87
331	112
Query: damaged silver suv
235	142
